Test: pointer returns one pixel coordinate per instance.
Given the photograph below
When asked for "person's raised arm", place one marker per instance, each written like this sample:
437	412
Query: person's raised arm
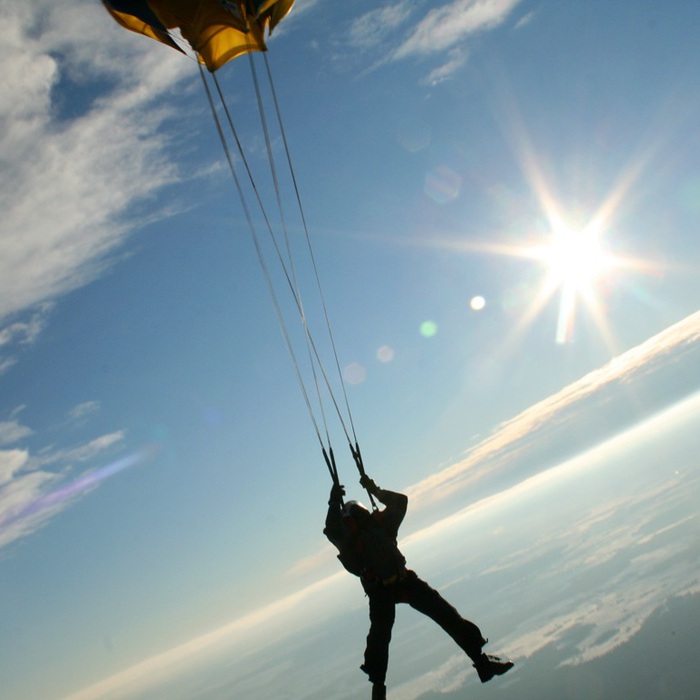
334	518
396	503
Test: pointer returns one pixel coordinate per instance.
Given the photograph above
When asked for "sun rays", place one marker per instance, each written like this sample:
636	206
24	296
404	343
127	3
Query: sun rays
571	243
575	260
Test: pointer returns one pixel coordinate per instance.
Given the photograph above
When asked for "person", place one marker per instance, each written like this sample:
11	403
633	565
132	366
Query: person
367	546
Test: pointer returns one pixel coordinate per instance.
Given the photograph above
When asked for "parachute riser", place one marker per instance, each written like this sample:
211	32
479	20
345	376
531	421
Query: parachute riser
357	456
329	458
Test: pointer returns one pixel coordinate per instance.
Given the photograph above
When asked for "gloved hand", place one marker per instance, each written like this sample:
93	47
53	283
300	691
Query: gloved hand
368	484
337	493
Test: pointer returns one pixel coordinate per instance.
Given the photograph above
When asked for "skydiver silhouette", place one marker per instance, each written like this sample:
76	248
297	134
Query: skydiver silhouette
367	546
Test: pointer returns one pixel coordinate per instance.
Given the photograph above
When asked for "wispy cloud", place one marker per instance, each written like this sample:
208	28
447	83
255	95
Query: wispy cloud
370	30
447	26
26	331
71	170
80	454
456	58
13	431
22	332
83	410
392	32
6	363
31	493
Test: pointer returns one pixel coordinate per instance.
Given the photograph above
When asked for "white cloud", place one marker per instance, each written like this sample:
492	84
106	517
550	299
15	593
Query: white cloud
30	495
6	363
23	332
370	29
82	453
27	331
440	34
12	431
83	410
525	20
18	490
456	59
11	461
445	27
68	180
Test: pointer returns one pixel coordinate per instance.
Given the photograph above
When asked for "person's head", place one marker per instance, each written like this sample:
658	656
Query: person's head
357	512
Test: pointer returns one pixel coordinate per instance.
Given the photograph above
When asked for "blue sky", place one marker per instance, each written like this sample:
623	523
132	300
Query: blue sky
159	475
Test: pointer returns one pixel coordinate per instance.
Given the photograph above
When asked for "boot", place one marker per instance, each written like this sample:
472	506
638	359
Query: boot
378	691
489	666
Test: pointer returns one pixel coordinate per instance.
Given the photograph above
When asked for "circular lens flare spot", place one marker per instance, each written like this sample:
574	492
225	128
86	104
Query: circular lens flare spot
355	373
413	134
477	303
442	184
385	354
428	329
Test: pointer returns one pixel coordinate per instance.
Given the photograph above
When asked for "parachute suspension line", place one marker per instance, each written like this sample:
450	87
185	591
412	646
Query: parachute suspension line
294	281
312	257
261	259
281	259
354	449
291	279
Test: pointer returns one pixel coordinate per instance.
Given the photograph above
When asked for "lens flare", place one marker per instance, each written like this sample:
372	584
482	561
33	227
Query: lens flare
55	499
443	184
385	354
355	373
428	329
413	134
477	303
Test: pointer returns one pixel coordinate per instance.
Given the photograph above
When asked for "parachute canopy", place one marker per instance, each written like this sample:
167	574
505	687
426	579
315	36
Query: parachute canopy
217	30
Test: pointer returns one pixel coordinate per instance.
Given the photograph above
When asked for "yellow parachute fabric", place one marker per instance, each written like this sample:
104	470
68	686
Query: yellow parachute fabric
145	22
217	30
272	12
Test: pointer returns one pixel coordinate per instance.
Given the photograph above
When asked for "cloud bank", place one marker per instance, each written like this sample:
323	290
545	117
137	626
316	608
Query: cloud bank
71	169
634	385
652	363
75	161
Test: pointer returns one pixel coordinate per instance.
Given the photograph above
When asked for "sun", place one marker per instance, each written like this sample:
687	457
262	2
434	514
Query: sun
575	258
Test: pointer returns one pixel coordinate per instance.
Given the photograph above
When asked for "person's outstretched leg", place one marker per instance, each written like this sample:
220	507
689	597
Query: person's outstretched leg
488	666
382	612
419	595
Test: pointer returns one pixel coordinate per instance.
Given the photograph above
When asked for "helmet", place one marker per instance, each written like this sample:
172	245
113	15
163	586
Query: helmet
349	509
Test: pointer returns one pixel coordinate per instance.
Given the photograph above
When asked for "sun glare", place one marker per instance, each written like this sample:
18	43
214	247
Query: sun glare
578	267
575	258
